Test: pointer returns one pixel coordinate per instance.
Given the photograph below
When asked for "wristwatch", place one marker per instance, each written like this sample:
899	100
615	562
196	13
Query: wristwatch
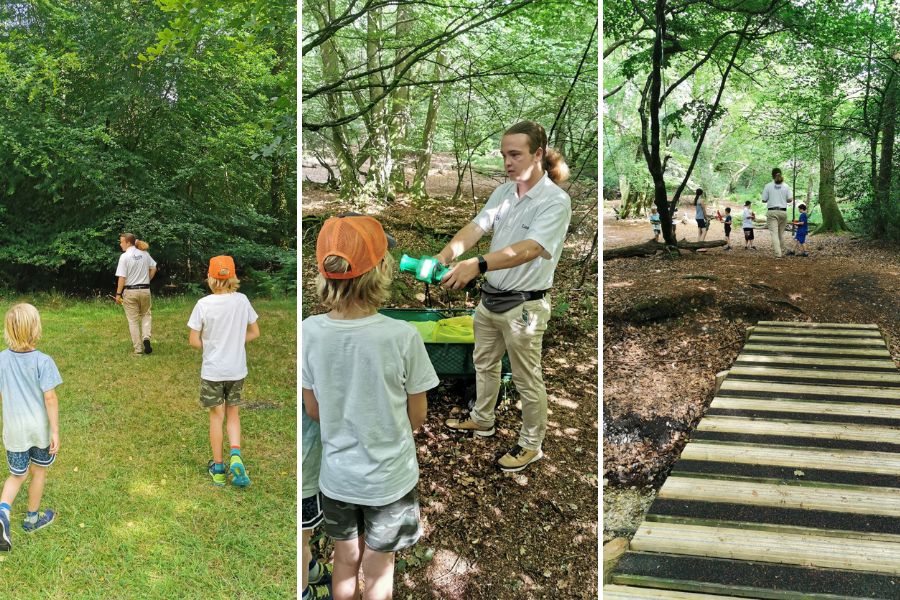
482	264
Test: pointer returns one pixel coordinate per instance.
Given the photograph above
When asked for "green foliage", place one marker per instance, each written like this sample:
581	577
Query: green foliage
121	117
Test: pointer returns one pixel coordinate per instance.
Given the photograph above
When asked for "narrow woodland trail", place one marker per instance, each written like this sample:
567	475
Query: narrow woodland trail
525	535
669	325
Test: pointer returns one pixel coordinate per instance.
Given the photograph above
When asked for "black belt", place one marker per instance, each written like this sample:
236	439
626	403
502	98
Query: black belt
140	286
784	209
537	295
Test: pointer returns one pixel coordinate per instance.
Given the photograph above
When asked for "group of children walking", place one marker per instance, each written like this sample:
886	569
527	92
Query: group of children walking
748	217
220	325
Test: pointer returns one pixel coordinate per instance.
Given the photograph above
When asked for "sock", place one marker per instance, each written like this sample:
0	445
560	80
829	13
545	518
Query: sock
6	508
315	571
218	468
31	517
306	593
235	450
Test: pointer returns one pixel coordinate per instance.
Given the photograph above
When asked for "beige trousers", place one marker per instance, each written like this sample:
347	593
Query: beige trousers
137	311
518	332
776	221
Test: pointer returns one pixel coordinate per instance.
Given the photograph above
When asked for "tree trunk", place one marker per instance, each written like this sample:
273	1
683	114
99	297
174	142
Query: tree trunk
883	191
378	177
832	220
650	248
400	109
423	162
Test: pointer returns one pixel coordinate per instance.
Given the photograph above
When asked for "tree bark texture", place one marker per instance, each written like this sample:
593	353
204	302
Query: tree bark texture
832	220
883	192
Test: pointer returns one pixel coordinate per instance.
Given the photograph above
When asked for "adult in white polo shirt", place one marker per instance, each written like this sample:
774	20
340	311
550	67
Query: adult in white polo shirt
135	270
777	195
528	217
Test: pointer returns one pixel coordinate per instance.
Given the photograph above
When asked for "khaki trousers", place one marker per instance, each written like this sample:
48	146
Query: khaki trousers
518	332
137	311
776	221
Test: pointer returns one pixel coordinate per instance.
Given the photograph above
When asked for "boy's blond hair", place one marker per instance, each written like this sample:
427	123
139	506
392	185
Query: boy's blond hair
22	327
368	291
229	285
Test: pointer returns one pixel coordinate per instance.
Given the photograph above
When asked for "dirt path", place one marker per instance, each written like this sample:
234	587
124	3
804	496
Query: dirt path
670	325
494	535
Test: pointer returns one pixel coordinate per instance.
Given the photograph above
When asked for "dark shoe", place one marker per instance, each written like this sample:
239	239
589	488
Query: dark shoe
218	477
518	458
44	518
790	253
318	591
5	540
147	348
804	254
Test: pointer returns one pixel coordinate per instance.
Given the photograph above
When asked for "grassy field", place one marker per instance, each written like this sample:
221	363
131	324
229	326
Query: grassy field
138	516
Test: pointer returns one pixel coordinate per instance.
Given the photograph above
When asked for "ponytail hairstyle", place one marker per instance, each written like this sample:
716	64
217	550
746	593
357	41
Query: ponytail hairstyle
554	163
697	196
140	244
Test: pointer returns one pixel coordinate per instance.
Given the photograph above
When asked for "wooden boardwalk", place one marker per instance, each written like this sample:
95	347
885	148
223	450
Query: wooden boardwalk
790	486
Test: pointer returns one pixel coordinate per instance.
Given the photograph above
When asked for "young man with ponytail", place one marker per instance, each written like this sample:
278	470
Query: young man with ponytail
135	270
528	218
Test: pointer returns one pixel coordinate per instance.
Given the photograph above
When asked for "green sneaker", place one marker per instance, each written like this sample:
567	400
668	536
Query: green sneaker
218	479
238	472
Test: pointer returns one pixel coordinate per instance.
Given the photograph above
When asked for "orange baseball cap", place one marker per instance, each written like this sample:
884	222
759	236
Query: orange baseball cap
358	239
221	267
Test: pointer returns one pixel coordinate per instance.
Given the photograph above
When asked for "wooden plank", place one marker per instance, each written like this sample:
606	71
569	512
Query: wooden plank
776	388
875	363
768	346
820	332
811	429
883	463
627	592
816	341
833	374
808	406
818	325
796	549
861	500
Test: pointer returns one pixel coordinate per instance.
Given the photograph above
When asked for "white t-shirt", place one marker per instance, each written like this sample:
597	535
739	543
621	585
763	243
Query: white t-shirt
542	215
134	266
222	321
361	371
747	222
776	195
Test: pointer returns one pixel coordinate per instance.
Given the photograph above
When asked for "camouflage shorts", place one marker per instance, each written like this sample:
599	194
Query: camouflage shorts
387	528
215	393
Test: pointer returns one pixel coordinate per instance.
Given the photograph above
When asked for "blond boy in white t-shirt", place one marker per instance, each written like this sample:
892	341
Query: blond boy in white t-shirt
221	324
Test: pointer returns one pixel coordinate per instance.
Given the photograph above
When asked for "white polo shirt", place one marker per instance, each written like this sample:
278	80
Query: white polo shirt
542	215
134	266
776	195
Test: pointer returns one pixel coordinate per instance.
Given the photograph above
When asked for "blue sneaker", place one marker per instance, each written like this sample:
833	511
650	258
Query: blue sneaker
44	518
218	477
238	472
5	541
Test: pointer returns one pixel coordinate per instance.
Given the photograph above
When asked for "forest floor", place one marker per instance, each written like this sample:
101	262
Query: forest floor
488	534
669	325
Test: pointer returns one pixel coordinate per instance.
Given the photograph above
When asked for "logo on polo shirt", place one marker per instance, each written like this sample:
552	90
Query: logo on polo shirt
524	226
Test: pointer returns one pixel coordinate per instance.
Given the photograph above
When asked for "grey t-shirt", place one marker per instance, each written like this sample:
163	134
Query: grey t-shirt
312	454
542	215
134	265
24	377
361	371
776	195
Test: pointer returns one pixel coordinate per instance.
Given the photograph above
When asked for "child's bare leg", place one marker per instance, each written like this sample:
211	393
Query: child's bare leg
233	425
347	560
378	572
307	557
216	417
11	488
36	487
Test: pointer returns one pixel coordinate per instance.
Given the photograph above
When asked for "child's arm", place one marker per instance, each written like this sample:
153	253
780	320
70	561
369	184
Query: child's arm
416	409
252	332
311	404
194	339
52	404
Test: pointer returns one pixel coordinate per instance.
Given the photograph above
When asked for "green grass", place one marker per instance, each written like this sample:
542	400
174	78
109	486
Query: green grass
138	515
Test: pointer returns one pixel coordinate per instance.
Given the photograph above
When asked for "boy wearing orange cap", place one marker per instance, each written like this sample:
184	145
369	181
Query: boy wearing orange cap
364	379
220	325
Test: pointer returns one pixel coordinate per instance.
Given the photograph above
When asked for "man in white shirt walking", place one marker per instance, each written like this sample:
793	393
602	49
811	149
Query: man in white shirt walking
777	195
528	218
133	274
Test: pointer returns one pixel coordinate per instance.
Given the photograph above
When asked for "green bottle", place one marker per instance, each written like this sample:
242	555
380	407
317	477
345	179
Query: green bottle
426	269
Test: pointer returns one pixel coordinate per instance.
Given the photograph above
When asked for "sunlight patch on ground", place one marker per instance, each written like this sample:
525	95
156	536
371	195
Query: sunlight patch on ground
449	574
564	402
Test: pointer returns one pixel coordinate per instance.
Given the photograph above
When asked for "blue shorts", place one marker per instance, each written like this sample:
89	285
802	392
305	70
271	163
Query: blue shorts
801	237
18	461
